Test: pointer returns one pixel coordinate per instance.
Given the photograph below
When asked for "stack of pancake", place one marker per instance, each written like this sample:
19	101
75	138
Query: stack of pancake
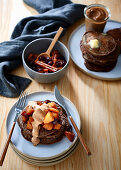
46	136
100	51
116	34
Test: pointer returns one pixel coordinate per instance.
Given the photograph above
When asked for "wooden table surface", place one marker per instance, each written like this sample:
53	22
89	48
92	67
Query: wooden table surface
98	102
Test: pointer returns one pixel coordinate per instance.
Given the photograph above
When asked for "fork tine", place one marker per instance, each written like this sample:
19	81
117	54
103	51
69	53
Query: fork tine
24	99
21	101
19	98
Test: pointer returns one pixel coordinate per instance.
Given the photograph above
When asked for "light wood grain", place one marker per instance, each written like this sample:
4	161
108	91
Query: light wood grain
98	102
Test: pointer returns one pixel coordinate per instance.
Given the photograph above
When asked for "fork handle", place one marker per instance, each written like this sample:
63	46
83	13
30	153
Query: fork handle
2	157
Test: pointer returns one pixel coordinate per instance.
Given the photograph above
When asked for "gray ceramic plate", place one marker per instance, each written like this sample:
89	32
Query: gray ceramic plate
65	155
76	54
41	152
47	160
37	163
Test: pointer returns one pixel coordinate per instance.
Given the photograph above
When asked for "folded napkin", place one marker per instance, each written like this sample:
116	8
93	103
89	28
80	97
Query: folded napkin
53	14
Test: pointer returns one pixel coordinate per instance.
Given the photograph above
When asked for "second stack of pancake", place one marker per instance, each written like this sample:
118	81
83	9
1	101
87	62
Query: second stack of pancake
100	51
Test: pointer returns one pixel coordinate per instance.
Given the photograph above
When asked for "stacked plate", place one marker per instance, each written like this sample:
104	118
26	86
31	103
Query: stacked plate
42	155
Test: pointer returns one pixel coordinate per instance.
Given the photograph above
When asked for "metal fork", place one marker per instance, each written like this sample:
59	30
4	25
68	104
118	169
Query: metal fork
18	108
20	104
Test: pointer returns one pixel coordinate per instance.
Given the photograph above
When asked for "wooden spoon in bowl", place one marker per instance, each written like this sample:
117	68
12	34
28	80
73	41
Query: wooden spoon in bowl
47	53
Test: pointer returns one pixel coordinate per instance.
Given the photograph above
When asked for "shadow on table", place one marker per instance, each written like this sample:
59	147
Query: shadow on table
102	89
30	9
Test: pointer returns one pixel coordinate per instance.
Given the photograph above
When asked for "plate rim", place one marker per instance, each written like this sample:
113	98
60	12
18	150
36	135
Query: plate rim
49	160
51	157
90	74
49	163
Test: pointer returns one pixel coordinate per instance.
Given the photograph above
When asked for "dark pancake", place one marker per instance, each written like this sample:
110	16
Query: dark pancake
106	42
47	136
97	68
103	60
116	34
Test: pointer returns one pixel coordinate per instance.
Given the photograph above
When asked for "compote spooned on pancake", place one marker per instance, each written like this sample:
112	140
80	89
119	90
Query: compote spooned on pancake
44	122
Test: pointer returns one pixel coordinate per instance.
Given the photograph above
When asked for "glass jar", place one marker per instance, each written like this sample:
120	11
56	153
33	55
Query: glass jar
96	16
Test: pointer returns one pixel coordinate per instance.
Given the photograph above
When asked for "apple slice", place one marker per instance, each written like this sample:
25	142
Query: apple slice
55	115
48	126
46	111
29	110
39	103
52	104
53	110
24	119
23	112
25	115
48	118
29	125
69	135
57	126
31	119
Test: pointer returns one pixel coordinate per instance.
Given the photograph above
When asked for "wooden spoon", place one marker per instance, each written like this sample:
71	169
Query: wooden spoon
47	53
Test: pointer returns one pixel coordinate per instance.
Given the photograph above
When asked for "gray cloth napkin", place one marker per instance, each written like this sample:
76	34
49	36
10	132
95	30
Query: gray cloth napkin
53	14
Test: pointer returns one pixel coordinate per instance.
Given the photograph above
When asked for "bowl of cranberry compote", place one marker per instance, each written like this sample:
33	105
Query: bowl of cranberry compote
45	69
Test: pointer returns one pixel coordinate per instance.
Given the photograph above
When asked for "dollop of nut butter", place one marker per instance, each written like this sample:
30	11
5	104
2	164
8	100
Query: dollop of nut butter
94	43
38	116
97	14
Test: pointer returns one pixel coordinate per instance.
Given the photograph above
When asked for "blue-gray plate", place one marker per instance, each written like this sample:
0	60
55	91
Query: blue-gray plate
76	54
41	152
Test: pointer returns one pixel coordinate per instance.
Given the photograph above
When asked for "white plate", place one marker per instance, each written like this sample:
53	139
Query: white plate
49	163
41	151
76	54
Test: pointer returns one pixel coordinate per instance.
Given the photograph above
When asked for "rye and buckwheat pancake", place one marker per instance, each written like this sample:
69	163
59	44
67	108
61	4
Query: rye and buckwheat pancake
116	34
44	122
100	51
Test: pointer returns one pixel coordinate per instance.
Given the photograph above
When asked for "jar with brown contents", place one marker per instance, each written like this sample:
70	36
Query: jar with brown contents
96	16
